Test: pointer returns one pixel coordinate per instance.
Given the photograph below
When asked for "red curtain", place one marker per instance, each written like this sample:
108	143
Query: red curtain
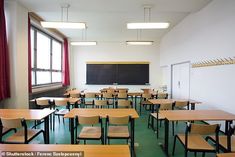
29	57
66	77
4	57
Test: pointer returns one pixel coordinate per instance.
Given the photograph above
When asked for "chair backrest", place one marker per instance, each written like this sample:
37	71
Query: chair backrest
162	95
122	96
90	95
203	129
124	103
107	95
148	90
167	106
61	102
122	91
12	122
42	102
119	120
74	95
146	96
100	102
91	120
110	90
181	104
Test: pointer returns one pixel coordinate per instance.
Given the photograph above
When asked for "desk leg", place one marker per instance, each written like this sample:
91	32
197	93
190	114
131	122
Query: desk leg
165	145
135	102
132	137
46	127
227	124
192	106
72	130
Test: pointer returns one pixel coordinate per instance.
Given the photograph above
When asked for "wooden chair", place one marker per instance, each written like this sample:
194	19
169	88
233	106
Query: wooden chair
122	96
89	99
90	132
109	97
75	95
158	116
124	103
181	105
62	110
144	100
110	90
226	142
117	128
101	103
162	95
43	104
22	135
194	141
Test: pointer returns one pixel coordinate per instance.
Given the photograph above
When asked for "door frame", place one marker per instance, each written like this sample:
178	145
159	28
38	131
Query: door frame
172	75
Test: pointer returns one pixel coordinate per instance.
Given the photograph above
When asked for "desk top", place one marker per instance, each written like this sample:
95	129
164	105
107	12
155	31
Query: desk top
226	155
190	115
89	150
27	114
102	112
161	101
71	100
72	92
164	101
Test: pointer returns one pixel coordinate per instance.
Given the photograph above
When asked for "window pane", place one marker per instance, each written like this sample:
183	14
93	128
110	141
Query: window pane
56	55
33	78
32	47
56	76
43	77
43	51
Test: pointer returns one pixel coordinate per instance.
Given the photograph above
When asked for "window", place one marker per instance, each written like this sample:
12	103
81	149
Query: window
46	58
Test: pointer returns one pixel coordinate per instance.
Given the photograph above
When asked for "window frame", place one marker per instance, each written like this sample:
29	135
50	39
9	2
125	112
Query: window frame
34	68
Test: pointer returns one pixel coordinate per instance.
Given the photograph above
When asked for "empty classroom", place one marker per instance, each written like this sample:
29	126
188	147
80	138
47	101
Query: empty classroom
126	78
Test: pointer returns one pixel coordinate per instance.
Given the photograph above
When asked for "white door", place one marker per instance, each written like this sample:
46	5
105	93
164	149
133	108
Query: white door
181	81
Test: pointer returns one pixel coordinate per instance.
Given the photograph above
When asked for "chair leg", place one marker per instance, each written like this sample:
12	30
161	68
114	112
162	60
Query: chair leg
173	128
185	152
148	121
63	120
195	154
203	154
85	142
140	109
173	151
44	136
59	118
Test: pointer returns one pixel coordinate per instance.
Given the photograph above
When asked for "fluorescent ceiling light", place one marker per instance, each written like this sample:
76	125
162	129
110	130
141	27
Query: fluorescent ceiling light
83	43
148	25
139	42
72	25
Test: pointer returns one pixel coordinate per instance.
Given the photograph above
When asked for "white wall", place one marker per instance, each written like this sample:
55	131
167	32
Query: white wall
207	34
17	36
113	51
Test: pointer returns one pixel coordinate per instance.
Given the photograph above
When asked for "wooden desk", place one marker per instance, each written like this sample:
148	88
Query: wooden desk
104	113
226	155
194	115
89	150
28	114
73	92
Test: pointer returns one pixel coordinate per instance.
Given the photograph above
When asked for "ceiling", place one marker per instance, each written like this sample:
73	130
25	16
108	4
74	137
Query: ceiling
106	19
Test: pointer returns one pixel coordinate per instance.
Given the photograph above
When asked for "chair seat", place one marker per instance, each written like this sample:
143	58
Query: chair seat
90	132
118	131
223	142
160	116
62	112
18	137
146	103
196	142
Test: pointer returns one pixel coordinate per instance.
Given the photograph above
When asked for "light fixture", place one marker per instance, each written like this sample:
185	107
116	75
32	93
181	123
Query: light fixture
63	24
147	24
84	41
139	42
